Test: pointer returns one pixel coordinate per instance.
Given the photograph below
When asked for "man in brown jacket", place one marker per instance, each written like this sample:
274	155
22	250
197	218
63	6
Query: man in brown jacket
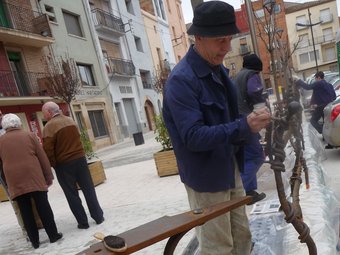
27	178
61	142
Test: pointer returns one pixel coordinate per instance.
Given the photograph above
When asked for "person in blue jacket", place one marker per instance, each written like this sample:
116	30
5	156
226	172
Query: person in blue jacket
323	94
249	94
201	115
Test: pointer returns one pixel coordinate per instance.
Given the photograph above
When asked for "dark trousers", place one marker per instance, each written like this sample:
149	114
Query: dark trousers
45	213
253	160
68	175
316	116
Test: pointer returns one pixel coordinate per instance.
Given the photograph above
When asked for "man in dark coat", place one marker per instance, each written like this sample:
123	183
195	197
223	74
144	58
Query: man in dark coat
323	94
249	94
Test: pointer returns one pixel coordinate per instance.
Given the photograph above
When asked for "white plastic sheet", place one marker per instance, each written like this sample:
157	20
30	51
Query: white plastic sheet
273	236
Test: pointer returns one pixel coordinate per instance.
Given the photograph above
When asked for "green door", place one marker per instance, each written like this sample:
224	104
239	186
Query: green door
3	18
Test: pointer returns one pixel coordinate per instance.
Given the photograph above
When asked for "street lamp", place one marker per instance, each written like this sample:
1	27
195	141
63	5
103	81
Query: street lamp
311	30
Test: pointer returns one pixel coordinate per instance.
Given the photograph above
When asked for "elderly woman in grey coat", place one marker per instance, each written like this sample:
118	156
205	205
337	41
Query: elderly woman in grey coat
28	174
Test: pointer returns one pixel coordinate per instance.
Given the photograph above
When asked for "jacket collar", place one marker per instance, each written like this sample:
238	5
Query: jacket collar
200	66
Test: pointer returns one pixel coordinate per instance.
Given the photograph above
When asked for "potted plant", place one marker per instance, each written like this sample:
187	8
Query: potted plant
94	163
165	159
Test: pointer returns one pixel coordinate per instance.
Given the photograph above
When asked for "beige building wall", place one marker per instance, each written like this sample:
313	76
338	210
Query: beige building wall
154	39
240	46
179	37
324	37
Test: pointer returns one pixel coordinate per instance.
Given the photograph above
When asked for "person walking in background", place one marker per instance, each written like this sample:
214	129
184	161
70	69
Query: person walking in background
201	115
28	177
61	141
323	94
249	94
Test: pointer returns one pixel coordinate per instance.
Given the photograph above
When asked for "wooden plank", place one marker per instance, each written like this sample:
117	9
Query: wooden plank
165	227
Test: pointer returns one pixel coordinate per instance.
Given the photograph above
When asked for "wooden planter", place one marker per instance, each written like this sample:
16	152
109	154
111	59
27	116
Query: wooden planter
165	163
97	172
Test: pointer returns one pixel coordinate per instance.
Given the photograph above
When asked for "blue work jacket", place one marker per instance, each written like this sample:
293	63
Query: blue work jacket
200	113
323	92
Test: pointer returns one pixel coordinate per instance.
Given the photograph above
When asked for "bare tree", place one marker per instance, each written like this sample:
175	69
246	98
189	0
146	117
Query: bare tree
276	45
63	79
160	76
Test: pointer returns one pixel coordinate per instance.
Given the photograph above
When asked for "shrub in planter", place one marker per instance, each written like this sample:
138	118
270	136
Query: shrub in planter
95	165
165	159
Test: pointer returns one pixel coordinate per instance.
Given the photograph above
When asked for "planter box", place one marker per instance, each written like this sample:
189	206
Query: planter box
97	172
3	198
165	163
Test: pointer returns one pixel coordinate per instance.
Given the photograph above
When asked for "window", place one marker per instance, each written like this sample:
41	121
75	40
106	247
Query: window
277	8
308	57
129	7
146	79
303	40
301	20
86	75
50	13
160	9
326	15
304	58
312	55
98	124
327	34
72	24
330	54
138	43
259	13
80	121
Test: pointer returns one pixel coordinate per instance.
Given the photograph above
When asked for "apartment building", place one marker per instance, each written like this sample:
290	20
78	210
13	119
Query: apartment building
122	49
25	35
74	39
179	36
313	25
155	14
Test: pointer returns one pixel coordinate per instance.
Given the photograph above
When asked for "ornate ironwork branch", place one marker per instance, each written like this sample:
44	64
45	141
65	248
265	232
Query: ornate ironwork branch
286	126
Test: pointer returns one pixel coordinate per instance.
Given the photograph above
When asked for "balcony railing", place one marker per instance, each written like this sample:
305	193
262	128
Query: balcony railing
26	20
120	66
324	39
21	84
107	21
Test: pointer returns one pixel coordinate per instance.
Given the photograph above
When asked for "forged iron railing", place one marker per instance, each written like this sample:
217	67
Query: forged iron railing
20	84
120	66
24	19
107	19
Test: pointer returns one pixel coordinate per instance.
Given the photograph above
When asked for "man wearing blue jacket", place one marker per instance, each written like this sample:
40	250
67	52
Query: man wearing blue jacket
323	94
207	133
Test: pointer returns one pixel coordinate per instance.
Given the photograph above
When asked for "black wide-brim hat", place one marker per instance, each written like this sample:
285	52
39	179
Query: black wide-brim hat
212	19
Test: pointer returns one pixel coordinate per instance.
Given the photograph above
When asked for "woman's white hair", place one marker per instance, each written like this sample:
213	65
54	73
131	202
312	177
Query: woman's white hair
10	120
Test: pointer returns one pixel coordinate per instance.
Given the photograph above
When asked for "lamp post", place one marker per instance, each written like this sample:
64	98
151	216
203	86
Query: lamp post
310	25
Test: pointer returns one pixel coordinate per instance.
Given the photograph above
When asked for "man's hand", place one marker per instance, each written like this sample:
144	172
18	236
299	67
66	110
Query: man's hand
258	119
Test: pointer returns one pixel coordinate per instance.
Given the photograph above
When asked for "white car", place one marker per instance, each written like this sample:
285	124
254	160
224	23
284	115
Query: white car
331	126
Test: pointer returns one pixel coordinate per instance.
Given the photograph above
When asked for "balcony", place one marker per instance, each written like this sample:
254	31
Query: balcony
107	23
23	84
122	67
24	27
